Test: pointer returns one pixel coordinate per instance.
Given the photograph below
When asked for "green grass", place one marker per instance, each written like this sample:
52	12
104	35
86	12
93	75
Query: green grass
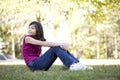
21	72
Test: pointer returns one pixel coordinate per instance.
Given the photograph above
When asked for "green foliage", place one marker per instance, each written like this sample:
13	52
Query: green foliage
86	21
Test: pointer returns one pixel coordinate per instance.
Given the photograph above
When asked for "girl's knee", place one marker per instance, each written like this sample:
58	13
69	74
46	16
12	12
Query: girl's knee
56	48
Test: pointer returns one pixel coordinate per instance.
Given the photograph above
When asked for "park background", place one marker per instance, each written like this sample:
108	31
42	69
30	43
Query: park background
91	27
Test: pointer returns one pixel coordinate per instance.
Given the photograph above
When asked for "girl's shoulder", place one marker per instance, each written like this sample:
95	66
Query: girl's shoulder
27	36
24	37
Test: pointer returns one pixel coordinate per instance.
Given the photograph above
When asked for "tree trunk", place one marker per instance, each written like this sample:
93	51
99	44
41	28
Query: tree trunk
98	47
116	47
74	43
91	52
105	45
13	42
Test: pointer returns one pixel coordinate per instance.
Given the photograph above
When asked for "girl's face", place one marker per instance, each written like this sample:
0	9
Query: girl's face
32	30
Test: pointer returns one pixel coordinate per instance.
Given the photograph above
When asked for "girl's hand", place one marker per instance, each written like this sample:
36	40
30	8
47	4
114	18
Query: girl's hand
64	46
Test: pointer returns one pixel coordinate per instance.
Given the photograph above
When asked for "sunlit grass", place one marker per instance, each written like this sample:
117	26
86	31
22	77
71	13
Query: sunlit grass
21	72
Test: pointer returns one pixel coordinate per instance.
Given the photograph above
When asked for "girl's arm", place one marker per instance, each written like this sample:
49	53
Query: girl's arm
45	43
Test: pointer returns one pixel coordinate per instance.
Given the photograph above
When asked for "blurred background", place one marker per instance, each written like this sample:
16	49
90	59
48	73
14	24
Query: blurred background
91	27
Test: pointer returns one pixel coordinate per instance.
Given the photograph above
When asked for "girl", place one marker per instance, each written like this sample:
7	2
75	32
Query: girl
31	51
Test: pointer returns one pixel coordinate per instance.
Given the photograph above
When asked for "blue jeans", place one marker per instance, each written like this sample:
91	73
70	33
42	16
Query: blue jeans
45	61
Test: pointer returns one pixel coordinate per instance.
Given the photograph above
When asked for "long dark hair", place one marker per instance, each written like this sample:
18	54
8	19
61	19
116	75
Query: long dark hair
39	30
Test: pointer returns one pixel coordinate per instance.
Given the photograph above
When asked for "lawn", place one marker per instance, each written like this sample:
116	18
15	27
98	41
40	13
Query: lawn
21	72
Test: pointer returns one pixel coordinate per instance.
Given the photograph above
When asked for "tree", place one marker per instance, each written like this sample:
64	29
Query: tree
86	24
13	18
